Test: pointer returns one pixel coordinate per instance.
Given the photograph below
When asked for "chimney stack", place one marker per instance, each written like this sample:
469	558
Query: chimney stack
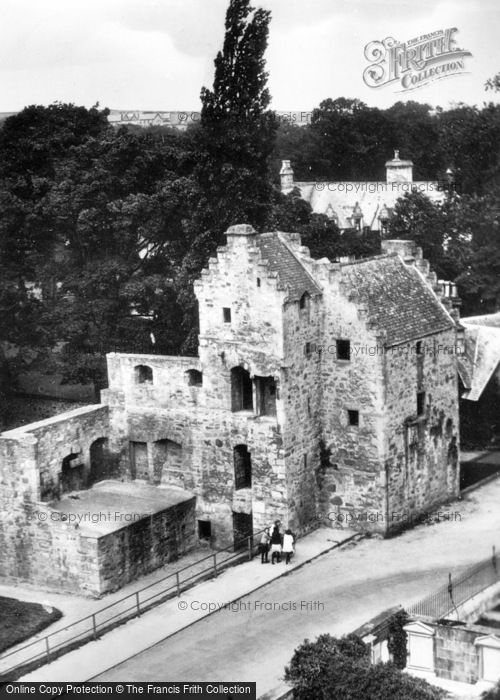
398	170
286	177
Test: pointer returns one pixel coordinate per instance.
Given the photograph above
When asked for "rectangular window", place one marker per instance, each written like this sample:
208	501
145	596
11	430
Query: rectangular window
308	349
265	389
353	418
418	347
226	312
420	403
305	461
343	349
258	281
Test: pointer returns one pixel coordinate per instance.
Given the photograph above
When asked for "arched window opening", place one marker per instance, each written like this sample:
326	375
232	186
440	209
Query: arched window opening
143	374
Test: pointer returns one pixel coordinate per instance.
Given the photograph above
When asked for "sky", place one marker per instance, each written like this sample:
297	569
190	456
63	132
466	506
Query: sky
157	54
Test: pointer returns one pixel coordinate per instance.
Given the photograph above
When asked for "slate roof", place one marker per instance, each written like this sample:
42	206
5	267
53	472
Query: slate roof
482	354
398	299
292	275
489	320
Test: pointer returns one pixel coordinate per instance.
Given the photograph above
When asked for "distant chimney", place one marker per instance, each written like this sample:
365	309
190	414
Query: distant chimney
398	170
286	176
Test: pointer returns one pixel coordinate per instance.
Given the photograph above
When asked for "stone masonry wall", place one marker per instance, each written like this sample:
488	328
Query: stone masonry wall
200	418
422	452
351	471
455	656
301	397
31	547
145	545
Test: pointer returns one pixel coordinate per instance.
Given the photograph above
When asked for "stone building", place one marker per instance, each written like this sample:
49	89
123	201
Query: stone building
322	392
367	204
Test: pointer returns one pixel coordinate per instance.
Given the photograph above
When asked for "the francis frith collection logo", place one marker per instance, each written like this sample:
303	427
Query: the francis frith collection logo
414	63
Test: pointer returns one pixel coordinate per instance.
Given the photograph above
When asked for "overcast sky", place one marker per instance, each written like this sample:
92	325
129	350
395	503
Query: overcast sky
156	54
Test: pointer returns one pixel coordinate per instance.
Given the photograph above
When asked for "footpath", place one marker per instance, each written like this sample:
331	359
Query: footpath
165	619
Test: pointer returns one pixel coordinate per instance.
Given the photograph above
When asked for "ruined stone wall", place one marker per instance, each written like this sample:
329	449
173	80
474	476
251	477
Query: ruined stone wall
422	451
145	545
70	433
199	419
33	546
54	553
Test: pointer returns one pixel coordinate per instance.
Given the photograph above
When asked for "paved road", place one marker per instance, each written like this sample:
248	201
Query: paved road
254	644
345	588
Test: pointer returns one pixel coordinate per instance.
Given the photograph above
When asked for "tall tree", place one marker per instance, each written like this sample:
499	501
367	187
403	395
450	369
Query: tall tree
233	144
99	224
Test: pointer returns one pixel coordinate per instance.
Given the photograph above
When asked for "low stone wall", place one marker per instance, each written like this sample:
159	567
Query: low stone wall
31	461
141	547
21	409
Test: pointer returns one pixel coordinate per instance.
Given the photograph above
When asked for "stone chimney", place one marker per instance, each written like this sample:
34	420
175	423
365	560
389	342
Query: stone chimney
241	236
286	177
398	170
405	249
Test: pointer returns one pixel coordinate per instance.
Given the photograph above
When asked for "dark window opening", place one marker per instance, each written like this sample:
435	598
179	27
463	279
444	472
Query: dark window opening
308	349
241	390
305	460
420	403
194	377
258	281
308	406
100	465
343	349
266	396
204	529
226	313
143	374
72	473
353	418
242	467
304	301
418	347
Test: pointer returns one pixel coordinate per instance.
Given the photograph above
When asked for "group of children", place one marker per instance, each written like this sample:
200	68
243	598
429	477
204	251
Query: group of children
278	543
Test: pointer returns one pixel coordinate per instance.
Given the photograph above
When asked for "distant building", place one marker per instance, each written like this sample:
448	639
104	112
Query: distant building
181	119
359	205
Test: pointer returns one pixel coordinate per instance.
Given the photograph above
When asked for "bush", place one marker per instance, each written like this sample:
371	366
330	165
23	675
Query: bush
397	642
492	694
331	668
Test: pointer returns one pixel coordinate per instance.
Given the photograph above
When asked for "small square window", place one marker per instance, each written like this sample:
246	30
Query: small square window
353	418
420	403
343	349
226	312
